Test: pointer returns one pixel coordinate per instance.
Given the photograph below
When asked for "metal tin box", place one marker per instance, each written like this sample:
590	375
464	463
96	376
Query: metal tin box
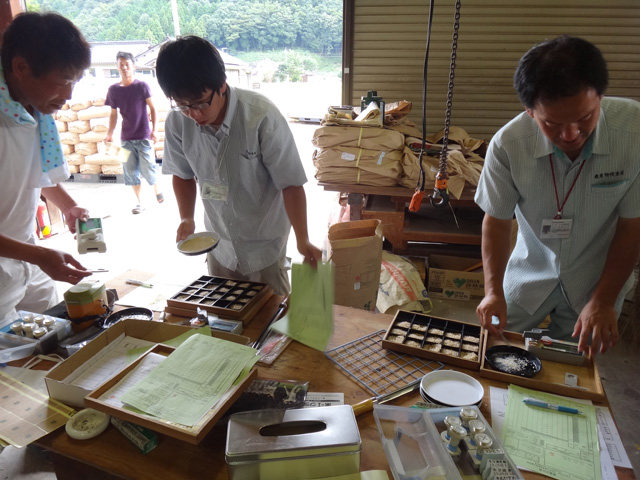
293	444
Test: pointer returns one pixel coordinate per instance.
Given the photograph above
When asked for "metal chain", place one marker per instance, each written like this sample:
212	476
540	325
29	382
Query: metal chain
447	121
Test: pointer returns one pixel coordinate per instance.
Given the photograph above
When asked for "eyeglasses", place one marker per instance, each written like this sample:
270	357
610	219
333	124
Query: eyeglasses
195	106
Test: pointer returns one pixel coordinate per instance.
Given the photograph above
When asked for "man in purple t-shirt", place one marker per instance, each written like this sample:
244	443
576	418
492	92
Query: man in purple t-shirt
132	97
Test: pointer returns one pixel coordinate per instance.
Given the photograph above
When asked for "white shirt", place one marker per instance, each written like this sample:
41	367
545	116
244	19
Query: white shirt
517	178
241	170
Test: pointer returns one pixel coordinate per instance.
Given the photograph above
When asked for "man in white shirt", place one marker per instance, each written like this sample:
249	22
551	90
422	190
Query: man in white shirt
43	56
569	168
238	148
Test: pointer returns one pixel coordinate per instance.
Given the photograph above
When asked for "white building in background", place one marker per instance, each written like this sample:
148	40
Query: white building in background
104	65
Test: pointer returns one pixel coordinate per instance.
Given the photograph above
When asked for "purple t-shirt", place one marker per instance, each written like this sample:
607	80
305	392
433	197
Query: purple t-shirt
132	102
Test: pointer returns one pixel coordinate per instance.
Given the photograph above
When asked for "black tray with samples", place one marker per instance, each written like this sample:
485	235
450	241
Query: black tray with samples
446	340
225	297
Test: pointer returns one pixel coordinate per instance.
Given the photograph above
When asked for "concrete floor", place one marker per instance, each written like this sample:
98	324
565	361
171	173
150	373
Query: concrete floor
146	242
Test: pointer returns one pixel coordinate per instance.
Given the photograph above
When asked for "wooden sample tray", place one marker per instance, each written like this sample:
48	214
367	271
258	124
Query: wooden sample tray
551	377
448	341
234	299
192	435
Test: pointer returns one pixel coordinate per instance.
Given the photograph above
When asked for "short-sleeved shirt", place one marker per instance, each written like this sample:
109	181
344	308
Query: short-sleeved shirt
241	170
132	102
517	178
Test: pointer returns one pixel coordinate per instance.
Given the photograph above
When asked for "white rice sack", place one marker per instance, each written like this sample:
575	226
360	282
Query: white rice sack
94	112
79	126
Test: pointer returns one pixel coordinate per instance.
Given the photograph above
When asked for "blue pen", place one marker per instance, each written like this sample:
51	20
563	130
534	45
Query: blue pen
550	406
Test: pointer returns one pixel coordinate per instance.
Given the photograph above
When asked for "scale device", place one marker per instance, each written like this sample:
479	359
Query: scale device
89	236
548	348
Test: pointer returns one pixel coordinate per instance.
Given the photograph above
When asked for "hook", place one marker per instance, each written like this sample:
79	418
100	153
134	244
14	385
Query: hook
444	198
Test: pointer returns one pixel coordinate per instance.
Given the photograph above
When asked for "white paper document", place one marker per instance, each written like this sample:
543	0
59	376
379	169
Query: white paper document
606	425
190	381
106	363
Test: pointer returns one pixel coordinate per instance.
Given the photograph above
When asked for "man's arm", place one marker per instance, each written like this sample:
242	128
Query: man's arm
598	319
153	116
185	192
67	205
295	202
113	120
496	249
60	266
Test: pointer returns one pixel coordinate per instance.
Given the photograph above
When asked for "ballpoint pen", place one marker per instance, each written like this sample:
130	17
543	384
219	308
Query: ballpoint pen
138	283
550	406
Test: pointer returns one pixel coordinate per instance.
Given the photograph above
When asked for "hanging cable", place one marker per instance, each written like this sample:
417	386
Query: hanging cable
416	199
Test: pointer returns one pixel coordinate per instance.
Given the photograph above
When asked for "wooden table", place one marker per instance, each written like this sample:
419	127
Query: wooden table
111	456
429	225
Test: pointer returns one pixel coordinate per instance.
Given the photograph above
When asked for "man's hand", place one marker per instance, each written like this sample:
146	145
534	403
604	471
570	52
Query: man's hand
61	266
187	227
600	322
74	213
312	254
490	306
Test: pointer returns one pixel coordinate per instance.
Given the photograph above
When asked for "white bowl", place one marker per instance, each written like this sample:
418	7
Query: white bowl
198	243
451	388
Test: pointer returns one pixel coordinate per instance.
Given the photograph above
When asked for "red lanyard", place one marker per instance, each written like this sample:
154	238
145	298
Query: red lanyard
555	186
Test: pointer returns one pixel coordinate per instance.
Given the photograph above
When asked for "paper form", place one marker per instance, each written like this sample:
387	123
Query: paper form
106	363
147	364
556	444
190	381
310	316
606	425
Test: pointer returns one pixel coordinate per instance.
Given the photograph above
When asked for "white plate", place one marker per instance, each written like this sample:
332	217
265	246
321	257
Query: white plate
198	243
451	388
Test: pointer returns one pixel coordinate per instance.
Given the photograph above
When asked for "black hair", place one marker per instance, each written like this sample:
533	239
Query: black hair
47	41
125	56
187	66
560	68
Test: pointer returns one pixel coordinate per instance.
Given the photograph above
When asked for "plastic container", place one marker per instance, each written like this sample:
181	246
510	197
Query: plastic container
86	299
60	329
14	347
413	443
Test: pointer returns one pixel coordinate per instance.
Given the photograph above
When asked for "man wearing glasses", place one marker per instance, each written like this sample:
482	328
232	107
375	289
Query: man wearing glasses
237	147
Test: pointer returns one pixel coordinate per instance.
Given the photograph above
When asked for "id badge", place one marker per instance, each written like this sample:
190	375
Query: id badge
556	228
214	191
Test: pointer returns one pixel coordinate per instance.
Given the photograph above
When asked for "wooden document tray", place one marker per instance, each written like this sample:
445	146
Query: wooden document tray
551	376
234	299
194	434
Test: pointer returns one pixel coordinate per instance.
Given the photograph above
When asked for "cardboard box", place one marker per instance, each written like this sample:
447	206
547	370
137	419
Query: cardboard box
355	250
156	332
448	278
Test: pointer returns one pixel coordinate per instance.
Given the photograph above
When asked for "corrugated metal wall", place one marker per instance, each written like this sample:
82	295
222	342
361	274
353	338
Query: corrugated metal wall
389	39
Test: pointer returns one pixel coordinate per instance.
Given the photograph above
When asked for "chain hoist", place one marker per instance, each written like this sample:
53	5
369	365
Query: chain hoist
440	197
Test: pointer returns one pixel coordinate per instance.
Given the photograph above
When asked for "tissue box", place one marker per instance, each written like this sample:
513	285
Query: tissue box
295	444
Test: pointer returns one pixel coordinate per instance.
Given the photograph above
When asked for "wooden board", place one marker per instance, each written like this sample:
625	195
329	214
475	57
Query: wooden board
421	325
192	435
551	375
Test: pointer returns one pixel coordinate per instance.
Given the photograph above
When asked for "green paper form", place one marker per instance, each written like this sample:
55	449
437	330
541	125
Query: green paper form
190	381
310	316
557	444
